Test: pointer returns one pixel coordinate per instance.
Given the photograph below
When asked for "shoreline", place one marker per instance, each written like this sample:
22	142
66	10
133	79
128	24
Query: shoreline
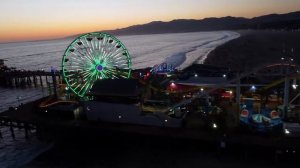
202	60
199	53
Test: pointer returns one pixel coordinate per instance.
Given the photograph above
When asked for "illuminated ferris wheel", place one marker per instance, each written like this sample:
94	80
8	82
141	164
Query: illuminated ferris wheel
94	56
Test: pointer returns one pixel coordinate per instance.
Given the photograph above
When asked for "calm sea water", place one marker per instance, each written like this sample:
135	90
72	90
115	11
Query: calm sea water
181	50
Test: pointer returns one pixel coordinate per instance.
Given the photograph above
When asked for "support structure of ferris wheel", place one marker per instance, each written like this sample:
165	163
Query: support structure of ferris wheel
94	56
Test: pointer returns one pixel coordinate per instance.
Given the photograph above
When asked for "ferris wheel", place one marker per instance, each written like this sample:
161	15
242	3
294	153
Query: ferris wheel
94	56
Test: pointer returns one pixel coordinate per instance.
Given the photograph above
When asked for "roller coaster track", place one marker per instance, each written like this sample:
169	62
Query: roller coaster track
243	75
277	82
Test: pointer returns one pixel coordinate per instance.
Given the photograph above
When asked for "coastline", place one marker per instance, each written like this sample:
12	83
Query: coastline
199	53
52	153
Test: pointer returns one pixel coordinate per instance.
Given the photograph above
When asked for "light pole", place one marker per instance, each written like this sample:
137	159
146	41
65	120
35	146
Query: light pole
288	61
18	98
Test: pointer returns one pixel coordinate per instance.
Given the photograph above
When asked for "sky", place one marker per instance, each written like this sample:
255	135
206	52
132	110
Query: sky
23	20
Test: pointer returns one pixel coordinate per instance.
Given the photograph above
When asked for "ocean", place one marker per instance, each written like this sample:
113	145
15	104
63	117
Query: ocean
178	49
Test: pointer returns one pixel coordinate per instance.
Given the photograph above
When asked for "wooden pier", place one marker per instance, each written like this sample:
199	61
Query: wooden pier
22	79
7	122
27	117
22	118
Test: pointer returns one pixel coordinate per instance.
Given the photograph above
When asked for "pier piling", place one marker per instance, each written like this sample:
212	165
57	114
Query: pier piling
26	127
12	130
34	81
17	78
1	136
41	81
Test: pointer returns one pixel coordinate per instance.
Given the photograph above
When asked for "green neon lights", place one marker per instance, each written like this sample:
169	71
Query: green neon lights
94	56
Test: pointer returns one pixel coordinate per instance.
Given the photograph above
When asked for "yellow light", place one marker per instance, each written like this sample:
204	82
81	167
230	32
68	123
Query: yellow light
215	125
286	131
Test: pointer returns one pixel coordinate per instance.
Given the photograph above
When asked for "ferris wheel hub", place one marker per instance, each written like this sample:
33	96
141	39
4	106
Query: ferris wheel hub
99	67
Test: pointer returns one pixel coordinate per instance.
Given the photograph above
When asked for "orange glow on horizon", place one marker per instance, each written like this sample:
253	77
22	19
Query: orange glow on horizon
40	32
22	20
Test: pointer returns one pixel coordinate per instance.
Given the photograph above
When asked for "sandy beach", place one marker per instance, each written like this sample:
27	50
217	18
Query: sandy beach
255	48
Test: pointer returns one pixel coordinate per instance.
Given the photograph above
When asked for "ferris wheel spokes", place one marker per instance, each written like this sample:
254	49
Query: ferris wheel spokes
93	57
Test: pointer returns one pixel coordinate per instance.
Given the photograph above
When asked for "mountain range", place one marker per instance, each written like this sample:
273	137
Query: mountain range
288	21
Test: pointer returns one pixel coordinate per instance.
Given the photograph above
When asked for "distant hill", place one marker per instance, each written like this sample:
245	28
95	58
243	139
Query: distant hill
273	21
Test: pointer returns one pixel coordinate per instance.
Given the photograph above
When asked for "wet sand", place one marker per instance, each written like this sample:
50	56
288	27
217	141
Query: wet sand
255	48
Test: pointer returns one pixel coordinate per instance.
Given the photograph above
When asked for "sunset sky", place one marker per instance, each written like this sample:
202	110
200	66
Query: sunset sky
46	19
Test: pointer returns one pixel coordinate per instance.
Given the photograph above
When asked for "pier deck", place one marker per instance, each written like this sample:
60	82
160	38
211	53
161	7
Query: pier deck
27	114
